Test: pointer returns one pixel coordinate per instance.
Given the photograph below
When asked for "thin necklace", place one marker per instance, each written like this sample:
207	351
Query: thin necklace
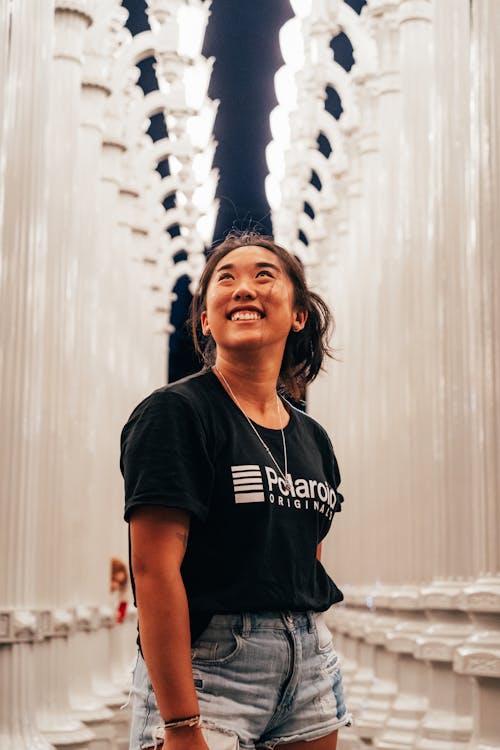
284	475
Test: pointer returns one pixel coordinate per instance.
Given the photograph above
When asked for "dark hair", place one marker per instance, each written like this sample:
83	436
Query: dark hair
304	351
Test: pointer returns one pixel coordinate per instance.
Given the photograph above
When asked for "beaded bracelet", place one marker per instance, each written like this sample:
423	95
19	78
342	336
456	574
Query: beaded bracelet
188	721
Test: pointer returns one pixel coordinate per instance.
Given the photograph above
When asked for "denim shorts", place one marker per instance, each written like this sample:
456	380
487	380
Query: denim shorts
261	679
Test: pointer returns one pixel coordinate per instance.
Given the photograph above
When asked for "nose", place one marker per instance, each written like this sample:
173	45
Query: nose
243	290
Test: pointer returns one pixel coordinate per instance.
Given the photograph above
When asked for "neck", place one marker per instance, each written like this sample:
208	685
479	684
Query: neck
255	389
253	381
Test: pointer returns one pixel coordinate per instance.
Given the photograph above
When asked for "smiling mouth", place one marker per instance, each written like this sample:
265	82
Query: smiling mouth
246	315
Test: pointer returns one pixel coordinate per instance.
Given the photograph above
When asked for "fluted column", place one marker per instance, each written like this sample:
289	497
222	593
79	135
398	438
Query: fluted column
103	141
448	720
368	263
23	251
121	657
86	594
5	15
103	482
417	291
390	548
413	397
60	347
365	263
382	276
26	33
350	440
357	653
416	429
479	656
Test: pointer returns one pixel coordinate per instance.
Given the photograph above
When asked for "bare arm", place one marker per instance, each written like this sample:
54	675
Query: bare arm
158	543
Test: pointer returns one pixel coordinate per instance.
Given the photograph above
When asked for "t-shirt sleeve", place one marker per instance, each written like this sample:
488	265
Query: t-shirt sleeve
164	456
337	480
333	471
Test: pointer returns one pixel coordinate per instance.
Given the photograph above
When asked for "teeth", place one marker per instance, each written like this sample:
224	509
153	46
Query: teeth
245	315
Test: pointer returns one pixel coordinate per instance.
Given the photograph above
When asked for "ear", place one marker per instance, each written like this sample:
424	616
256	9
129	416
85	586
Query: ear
204	323
299	320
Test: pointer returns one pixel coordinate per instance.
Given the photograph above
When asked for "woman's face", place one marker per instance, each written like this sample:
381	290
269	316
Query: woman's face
250	303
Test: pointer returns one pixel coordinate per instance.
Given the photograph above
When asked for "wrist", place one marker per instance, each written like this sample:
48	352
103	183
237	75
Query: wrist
186	721
182	732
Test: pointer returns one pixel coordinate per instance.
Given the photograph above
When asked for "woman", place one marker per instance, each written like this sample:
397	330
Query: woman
119	580
229	490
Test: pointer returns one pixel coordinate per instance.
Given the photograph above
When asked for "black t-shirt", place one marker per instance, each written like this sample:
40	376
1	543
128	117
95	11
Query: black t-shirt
252	541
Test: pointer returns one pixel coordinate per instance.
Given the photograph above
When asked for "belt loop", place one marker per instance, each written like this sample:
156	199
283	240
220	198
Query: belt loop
289	620
310	621
246	625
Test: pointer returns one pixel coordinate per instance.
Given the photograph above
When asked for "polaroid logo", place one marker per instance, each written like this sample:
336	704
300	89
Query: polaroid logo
251	485
248	484
323	497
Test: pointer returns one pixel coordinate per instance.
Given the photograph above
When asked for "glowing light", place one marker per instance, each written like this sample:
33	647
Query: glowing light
286	88
202	164
301	8
199	127
204	194
206	223
192	20
174	165
273	192
275	160
292	44
195	84
280	126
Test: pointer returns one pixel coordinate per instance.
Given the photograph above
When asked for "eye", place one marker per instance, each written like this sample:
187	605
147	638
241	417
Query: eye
265	272
225	275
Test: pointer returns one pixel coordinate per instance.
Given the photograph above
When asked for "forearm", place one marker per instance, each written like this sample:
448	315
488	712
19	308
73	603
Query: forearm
165	641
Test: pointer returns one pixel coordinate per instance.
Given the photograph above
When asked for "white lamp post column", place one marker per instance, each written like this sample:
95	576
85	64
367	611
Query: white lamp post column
364	270
448	719
382	266
356	649
86	590
103	480
5	42
416	369
71	22
25	33
479	656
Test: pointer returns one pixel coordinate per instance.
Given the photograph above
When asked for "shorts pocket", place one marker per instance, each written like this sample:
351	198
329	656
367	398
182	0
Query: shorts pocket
220	739
322	634
216	646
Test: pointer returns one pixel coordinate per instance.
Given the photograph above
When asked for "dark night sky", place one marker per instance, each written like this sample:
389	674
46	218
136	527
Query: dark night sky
247	56
243	37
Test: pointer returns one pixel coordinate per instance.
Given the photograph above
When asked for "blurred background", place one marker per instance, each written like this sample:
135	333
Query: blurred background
243	39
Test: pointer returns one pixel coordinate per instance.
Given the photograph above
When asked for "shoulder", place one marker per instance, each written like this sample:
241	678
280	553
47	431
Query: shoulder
190	393
186	401
311	426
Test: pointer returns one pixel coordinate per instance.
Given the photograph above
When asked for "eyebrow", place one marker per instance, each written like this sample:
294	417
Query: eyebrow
260	264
